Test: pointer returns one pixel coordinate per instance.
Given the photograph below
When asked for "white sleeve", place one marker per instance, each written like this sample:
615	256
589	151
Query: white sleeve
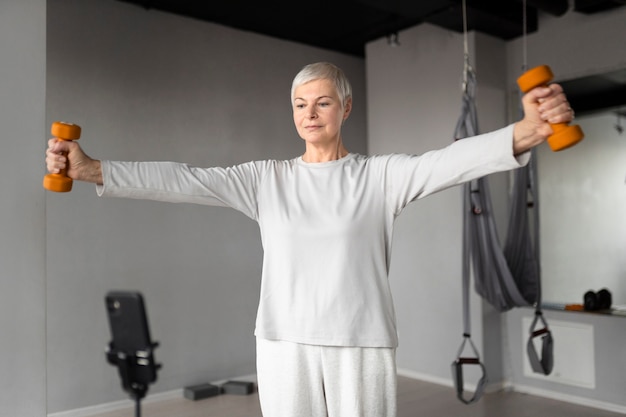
233	187
409	177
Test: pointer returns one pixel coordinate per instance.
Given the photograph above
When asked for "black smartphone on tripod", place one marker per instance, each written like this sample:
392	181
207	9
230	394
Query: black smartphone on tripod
131	348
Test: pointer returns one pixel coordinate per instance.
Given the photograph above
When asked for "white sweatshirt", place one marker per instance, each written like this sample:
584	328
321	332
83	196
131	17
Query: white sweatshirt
326	228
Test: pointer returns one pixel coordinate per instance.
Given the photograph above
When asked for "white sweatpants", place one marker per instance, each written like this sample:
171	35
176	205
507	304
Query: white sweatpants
297	380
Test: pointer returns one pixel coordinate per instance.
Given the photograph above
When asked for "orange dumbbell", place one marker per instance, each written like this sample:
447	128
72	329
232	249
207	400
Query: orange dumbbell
564	135
60	182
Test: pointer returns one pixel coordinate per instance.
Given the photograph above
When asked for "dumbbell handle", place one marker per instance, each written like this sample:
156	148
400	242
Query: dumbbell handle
60	182
564	135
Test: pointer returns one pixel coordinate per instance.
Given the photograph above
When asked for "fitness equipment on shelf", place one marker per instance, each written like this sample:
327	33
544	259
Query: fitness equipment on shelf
596	301
60	182
564	135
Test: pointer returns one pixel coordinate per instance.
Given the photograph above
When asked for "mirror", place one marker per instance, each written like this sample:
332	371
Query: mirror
582	199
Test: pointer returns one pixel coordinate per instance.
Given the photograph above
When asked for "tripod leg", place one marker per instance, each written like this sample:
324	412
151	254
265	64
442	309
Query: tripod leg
137	407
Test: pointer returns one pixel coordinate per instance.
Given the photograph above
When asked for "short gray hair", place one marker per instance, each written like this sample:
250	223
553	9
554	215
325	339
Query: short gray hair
324	71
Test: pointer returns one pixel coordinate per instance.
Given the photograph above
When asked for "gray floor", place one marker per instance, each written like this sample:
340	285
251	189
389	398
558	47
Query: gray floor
415	399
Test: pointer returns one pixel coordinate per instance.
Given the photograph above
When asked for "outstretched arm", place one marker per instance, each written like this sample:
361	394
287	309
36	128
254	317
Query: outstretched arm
542	106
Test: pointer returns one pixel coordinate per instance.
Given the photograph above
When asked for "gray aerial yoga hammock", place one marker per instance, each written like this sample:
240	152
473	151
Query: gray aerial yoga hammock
505	278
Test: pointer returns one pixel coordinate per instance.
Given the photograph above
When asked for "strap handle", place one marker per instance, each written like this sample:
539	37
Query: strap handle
457	372
544	364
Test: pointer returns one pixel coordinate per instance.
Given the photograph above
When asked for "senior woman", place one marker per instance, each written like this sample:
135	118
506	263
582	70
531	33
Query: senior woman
325	328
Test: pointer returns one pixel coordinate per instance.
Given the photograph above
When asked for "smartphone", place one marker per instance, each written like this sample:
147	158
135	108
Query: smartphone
130	334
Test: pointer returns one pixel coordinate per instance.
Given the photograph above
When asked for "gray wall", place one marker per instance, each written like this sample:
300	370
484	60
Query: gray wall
146	85
414	101
22	211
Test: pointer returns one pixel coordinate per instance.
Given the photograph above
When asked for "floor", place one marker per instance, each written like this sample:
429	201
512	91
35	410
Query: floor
415	399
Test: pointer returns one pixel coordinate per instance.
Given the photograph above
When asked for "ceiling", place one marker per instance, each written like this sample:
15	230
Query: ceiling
597	92
346	26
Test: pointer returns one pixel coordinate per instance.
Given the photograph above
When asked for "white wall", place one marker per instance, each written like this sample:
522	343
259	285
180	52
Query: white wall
576	45
22	211
609	365
583	220
585	182
146	85
414	101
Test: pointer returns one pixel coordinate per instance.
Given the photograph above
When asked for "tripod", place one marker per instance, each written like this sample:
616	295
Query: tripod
137	371
131	349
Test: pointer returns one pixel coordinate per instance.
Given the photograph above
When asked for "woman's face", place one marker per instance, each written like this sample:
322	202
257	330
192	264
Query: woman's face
318	112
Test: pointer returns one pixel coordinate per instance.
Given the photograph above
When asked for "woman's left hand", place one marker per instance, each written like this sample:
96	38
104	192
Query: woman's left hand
543	106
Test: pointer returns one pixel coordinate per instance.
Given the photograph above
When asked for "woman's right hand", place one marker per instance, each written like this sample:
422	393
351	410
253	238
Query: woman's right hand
67	154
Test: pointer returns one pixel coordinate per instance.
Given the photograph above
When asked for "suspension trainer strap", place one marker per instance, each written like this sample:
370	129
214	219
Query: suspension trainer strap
473	358
457	372
540	364
467	126
545	363
547	350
